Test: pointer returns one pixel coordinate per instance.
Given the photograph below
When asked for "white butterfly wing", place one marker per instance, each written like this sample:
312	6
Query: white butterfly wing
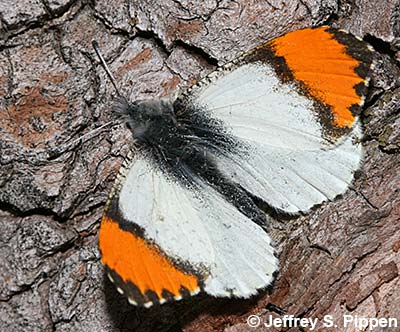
294	180
197	230
255	106
284	155
291	106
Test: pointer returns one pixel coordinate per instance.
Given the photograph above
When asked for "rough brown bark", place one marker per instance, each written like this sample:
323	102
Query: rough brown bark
341	258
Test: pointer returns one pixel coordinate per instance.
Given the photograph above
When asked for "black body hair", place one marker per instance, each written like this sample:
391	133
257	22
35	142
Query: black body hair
182	143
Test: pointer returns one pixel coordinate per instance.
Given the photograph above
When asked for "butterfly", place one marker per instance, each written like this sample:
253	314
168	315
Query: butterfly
278	124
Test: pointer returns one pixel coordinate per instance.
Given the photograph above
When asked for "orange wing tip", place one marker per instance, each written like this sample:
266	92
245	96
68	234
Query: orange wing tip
140	270
147	304
301	47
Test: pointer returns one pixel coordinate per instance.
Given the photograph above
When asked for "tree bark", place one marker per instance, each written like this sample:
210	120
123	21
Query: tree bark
341	258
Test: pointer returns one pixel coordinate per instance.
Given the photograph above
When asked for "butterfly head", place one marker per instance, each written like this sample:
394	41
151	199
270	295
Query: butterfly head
142	115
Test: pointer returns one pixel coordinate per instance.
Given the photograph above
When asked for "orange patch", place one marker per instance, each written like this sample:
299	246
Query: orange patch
322	64
135	261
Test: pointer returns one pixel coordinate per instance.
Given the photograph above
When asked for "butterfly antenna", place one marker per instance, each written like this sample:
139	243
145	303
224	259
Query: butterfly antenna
69	146
104	64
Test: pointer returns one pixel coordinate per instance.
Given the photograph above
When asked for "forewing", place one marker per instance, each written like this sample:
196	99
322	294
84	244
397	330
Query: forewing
291	108
162	239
